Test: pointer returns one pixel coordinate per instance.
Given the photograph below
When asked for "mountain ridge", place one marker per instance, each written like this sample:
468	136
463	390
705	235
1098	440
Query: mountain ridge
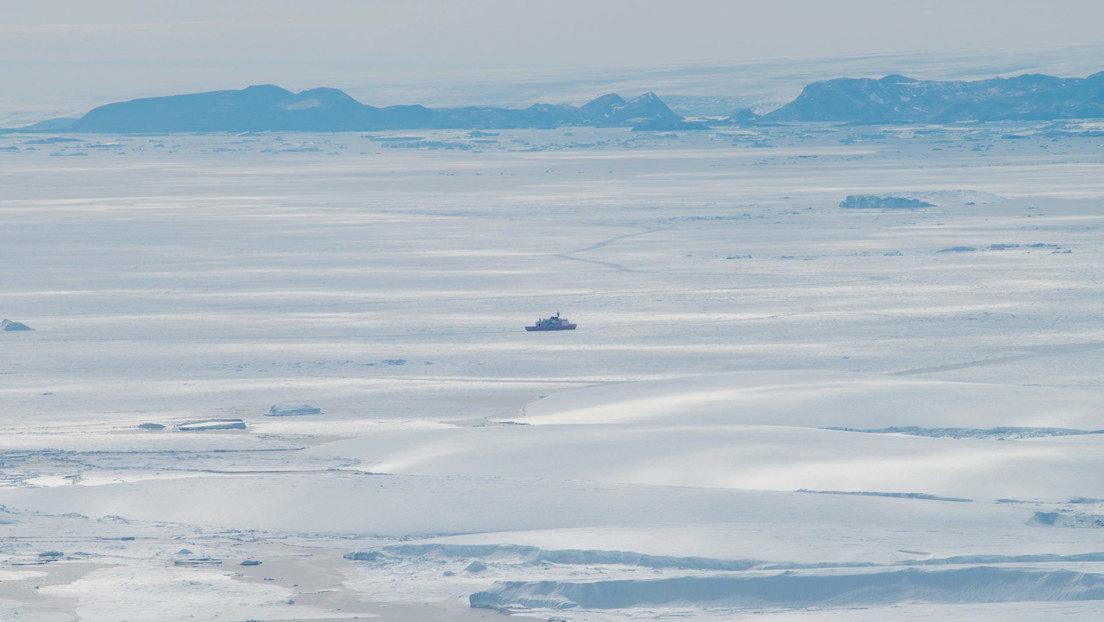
899	99
891	99
272	108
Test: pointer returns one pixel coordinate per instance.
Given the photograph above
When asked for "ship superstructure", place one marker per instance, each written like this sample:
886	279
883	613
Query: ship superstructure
552	323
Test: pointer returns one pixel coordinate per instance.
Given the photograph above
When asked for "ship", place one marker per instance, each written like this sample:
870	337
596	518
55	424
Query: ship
552	323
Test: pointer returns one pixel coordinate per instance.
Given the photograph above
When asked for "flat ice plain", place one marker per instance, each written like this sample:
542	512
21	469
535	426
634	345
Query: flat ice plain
773	408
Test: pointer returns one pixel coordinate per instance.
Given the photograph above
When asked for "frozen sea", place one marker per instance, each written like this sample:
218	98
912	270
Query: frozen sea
773	408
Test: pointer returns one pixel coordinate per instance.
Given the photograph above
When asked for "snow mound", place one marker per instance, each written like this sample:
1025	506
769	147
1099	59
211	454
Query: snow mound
1001	433
820	399
767	431
935	198
944	198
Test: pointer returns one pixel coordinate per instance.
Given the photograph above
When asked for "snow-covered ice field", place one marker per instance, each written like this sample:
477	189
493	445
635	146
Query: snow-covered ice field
773	408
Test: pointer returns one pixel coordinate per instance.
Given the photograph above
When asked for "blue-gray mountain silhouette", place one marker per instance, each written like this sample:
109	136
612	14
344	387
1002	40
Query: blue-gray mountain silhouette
268	107
892	99
899	99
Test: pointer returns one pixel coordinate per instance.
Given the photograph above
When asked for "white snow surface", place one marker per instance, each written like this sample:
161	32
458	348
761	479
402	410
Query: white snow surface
772	408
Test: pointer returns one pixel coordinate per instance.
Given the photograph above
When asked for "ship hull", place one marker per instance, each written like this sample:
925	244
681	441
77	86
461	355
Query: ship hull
542	328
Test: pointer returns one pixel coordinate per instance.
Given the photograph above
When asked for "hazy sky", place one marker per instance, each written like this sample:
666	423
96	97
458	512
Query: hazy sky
492	32
143	46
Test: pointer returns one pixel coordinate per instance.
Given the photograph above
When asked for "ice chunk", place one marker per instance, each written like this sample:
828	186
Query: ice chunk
282	410
10	325
934	198
363	556
212	424
798	590
881	201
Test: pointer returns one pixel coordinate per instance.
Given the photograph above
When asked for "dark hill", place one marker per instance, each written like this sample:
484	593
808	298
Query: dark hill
899	99
268	107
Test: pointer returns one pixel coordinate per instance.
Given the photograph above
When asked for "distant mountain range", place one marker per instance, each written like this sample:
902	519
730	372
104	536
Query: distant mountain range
892	99
261	108
899	99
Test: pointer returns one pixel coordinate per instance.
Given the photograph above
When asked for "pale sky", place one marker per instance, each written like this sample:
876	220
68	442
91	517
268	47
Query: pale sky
492	32
142	47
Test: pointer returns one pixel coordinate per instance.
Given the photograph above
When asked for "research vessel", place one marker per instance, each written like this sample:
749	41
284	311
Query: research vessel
552	323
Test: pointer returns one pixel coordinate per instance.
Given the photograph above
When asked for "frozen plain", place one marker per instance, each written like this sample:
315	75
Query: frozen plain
773	408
